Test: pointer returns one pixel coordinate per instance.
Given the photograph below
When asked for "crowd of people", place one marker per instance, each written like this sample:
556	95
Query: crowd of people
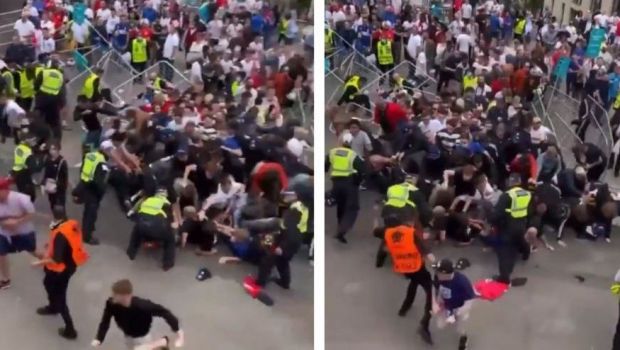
219	164
461	154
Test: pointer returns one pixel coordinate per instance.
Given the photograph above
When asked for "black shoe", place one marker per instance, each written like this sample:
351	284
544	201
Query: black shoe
46	311
70	334
518	281
426	335
6	284
403	312
166	267
92	241
463	342
341	239
281	284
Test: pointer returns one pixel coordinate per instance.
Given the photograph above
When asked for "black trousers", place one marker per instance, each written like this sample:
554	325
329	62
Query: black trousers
23	182
58	198
508	249
266	264
49	107
421	278
139	67
89	215
25	103
119	180
346	194
616	345
56	285
148	229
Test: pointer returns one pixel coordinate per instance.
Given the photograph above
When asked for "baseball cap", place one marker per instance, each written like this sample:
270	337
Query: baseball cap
5	183
445	266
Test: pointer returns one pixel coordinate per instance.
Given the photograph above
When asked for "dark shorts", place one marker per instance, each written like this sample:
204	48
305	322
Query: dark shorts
18	243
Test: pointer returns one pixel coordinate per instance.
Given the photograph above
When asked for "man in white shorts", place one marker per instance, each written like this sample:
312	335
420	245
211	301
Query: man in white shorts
16	228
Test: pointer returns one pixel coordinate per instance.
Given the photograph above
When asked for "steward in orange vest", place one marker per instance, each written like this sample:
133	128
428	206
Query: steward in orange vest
408	251
65	253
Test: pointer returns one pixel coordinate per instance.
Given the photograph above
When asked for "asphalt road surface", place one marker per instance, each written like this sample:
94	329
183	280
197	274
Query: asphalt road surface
552	311
216	313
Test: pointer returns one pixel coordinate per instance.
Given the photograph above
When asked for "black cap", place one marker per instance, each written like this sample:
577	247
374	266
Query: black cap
445	266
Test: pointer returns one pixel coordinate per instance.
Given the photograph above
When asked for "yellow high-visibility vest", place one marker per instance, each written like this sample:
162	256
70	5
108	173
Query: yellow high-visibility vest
329	39
52	81
520	199
520	26
89	86
470	81
139	51
283	26
341	162
26	86
384	52
154	206
91	161
21	154
398	195
7	75
354	81
302	226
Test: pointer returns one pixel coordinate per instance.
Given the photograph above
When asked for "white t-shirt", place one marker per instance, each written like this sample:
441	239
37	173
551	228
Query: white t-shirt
233	30
215	28
80	32
338	16
464	41
414	44
48	45
14	114
24	29
49	25
466	11
111	23
17	204
170	45
539	135
104	14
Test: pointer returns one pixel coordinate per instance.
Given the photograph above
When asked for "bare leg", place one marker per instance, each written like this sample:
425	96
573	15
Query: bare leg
4	268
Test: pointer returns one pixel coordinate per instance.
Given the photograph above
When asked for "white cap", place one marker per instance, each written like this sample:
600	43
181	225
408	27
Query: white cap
347	138
295	146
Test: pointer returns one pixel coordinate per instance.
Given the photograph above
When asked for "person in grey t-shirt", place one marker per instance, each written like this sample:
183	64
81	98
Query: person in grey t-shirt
361	141
16	228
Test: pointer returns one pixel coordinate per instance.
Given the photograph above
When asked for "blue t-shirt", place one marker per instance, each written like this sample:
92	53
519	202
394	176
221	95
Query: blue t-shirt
364	36
494	23
614	86
121	35
257	23
150	14
456	292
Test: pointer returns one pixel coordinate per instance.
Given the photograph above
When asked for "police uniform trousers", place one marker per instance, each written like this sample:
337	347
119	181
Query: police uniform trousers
346	193
25	102
24	184
153	228
281	263
91	201
56	284
424	279
511	244
49	106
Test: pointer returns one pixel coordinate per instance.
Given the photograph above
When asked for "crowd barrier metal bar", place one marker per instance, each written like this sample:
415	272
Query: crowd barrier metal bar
148	70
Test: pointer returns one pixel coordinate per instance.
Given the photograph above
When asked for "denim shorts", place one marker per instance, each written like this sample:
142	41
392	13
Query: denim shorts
18	243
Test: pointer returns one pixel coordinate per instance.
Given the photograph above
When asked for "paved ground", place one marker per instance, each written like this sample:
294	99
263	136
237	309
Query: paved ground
215	313
553	311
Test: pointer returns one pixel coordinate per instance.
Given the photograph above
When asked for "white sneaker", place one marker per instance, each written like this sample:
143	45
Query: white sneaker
608	240
77	165
562	244
589	231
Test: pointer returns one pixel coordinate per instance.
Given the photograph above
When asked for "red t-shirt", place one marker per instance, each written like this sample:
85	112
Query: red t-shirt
146	33
618	29
394	114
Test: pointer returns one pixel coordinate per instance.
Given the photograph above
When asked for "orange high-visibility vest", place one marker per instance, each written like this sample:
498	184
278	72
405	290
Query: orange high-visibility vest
405	254
73	234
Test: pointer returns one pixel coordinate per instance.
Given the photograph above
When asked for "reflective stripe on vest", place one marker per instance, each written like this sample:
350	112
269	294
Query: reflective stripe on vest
400	242
138	51
52	82
154	206
91	162
341	162
89	86
22	152
470	81
354	81
329	39
384	52
398	195
520	201
26	86
302	226
70	229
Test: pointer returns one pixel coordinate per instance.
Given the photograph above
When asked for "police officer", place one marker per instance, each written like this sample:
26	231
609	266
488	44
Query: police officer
49	86
90	190
7	74
519	29
64	254
330	46
24	81
511	220
139	55
293	229
346	171
385	56
407	251
153	223
92	85
352	93
24	165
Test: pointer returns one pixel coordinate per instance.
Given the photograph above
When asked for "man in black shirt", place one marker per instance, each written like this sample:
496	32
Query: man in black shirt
134	317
